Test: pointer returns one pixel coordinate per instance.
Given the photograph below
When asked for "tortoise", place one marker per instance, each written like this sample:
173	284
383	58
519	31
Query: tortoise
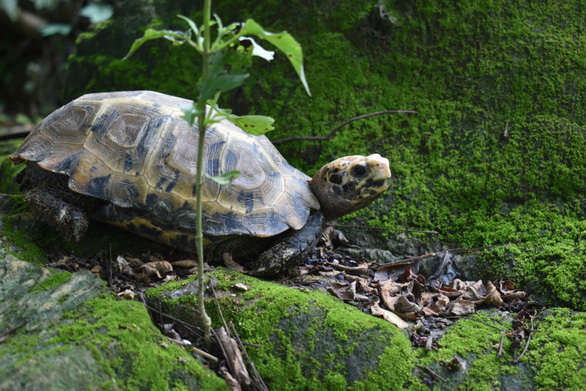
129	159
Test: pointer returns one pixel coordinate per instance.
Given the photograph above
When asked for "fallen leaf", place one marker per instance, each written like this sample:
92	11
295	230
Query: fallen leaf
186	263
474	292
461	308
394	270
346	292
441	303
493	297
240	287
389	316
163	267
235	356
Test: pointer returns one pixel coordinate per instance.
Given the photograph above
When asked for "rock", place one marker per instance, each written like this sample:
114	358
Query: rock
67	331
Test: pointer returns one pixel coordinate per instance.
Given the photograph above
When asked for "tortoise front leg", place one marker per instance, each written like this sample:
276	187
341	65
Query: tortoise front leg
290	251
67	218
53	202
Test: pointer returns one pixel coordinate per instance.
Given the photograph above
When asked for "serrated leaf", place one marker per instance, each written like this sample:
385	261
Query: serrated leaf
257	125
177	37
284	42
227	70
226	178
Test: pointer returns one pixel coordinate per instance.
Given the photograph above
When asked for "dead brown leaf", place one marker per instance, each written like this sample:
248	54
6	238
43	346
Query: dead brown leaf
346	292
235	356
474	292
493	297
389	316
186	263
460	308
395	270
162	267
441	303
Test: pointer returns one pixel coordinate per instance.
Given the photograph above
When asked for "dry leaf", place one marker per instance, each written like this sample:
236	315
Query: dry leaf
461	308
394	270
493	297
346	292
235	356
441	303
186	263
389	316
163	267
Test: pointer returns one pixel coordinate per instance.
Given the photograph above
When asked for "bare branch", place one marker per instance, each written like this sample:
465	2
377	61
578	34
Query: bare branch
328	137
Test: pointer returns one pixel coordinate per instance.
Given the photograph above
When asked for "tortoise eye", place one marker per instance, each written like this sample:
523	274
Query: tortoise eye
359	170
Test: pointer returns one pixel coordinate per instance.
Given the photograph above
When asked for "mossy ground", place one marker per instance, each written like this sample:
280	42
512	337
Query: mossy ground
495	154
293	330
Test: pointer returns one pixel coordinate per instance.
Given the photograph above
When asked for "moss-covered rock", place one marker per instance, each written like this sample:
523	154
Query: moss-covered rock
66	331
306	340
72	334
468	355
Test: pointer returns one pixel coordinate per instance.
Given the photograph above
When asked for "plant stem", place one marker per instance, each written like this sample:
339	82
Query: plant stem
201	106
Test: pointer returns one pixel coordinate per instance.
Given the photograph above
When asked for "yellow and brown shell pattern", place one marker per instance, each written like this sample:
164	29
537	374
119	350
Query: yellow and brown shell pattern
133	150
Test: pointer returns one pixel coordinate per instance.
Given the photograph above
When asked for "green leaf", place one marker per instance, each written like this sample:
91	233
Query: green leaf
226	178
227	70
177	37
191	24
284	42
190	113
258	50
256	125
55	28
97	12
11	8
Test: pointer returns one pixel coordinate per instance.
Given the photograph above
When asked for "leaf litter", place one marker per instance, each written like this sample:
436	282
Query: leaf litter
400	294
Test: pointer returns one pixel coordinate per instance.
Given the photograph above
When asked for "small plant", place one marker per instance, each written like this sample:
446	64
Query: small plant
226	56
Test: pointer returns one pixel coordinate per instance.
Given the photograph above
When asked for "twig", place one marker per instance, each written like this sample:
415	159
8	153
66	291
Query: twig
432	373
500	353
4	335
516	360
257	377
456	250
475	320
196	350
182	323
228	361
383	228
328	137
15	131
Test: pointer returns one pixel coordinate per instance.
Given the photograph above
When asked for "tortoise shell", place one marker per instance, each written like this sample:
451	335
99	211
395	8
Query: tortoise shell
134	151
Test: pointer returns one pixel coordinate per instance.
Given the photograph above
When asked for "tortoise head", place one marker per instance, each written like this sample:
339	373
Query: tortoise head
350	183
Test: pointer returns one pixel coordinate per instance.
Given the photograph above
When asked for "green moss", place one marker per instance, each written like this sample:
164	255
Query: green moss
123	330
557	350
56	279
295	350
28	249
472	341
8	170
